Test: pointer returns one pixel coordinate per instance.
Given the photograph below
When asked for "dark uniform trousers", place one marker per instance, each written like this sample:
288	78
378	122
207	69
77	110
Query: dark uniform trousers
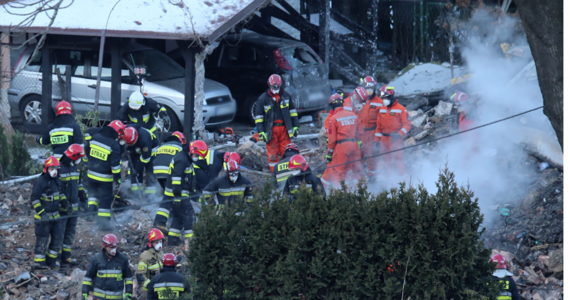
43	230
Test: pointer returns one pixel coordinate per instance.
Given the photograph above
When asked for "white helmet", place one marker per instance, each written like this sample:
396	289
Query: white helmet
136	100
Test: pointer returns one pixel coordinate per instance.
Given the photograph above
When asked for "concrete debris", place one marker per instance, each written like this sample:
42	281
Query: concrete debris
410	142
421	135
306	119
417	103
418	119
443	108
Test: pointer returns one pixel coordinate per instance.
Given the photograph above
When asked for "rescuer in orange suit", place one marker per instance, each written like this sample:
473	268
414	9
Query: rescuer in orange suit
367	124
391	126
342	143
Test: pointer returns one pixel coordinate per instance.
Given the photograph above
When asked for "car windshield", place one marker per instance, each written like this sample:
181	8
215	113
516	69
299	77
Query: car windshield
299	57
159	67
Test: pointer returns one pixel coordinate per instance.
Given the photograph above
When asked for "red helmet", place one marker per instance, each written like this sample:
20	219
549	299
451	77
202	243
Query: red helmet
199	147
360	93
119	127
169	260
292	146
110	240
369	82
298	162
75	152
274	81
233	166
459	97
180	136
232	156
63	108
499	260
335	99
51	161
386	91
131	136
154	235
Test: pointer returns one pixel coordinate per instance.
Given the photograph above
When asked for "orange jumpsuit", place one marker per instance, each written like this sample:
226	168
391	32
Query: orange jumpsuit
366	126
342	139
392	120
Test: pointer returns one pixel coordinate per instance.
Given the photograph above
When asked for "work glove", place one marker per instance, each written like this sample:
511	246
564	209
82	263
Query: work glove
263	137
128	296
85	296
38	138
359	144
295	132
329	156
394	137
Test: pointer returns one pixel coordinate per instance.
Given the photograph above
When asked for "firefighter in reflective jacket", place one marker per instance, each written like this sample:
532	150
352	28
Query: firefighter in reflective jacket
109	273
276	119
302	175
391	126
165	154
69	176
509	291
367	125
104	169
342	144
207	163
281	171
230	188
63	132
48	200
180	187
168	284
141	145
150	260
141	110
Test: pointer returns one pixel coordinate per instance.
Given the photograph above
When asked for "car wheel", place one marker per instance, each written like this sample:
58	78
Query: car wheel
31	110
251	105
168	123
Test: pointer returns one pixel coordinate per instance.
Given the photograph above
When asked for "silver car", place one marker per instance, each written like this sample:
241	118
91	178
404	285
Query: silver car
164	82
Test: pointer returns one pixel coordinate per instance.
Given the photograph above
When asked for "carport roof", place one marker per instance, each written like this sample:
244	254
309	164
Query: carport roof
155	19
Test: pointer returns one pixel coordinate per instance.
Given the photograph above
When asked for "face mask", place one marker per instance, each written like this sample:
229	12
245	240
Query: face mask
77	161
234	178
194	158
122	142
158	247
53	173
275	91
112	252
386	102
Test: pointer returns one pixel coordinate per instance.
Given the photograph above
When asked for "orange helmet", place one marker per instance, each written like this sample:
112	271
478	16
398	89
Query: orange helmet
298	162
154	235
232	156
75	152
499	260
199	147
63	108
131	136
110	240
119	127
180	136
169	260
51	161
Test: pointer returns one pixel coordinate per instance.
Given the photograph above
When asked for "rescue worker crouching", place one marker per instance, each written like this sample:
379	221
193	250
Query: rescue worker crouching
109	274
69	176
367	125
164	155
276	119
104	170
168	284
228	189
141	110
391	126
63	132
48	200
302	175
281	171
207	163
509	291
150	260
141	146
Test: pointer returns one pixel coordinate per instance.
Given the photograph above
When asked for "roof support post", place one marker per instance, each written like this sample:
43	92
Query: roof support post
115	77
325	33
189	54
46	85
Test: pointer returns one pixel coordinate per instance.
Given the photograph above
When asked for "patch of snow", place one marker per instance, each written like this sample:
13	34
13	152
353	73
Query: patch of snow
423	79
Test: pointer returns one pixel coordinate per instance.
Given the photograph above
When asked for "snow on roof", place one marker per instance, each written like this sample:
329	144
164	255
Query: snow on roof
163	19
423	78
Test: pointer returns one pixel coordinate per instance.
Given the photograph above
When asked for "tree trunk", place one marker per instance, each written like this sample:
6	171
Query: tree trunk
543	25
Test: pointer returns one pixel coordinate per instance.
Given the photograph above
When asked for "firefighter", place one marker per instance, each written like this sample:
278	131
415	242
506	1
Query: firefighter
461	101
230	188
302	175
63	132
48	200
168	284
150	260
231	156
164	154
69	176
342	144
391	126
276	119
142	111
281	171
207	163
141	146
104	170
357	99
367	125
509	291
109	274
